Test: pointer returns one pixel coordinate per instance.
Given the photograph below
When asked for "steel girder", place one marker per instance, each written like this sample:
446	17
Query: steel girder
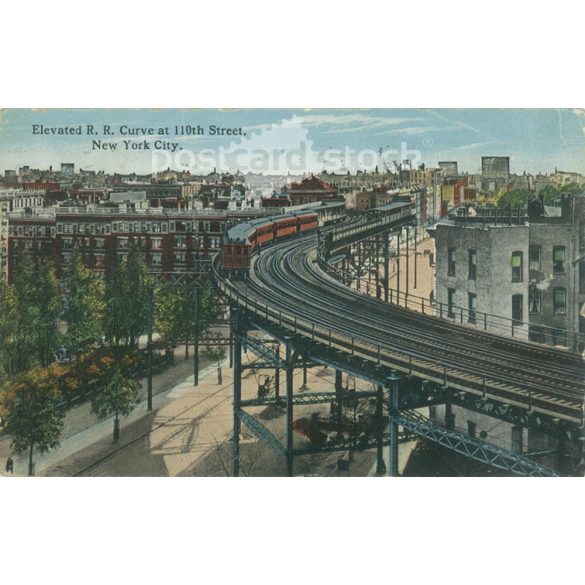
260	349
472	448
191	279
306	398
262	432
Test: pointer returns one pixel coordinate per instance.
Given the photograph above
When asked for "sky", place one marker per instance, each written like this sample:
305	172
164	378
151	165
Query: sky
278	140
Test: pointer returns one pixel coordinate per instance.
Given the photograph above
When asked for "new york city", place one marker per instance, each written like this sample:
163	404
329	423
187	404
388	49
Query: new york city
292	293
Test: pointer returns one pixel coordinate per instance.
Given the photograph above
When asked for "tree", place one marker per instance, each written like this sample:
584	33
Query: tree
516	198
127	292
36	417
84	306
35	305
49	304
8	318
118	396
173	314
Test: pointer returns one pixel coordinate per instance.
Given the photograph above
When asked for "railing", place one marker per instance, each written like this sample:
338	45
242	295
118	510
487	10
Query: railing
344	232
405	361
464	316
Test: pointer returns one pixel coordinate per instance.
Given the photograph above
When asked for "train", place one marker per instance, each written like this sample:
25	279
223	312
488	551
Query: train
242	239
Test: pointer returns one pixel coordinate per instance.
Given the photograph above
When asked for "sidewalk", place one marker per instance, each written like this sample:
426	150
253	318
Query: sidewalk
83	428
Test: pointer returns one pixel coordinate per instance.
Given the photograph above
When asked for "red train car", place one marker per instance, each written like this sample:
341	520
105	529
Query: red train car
243	238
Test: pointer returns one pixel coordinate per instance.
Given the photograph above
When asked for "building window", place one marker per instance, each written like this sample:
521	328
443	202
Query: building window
559	259
451	262
156	259
156	243
534	259
517	309
472	261
560	301
517	267
180	241
471	307
534	300
559	337
536	334
450	302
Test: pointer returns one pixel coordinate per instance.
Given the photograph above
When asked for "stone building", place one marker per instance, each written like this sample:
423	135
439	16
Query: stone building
515	272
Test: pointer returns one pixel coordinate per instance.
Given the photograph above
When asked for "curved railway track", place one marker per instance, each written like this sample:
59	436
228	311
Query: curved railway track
286	279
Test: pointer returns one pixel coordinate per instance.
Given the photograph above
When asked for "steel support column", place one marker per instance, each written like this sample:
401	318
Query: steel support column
393	428
289	411
380	467
195	336
237	392
407	265
386	266
149	348
449	416
304	386
398	265
338	396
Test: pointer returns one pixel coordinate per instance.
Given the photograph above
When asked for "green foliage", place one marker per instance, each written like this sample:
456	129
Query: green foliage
30	310
516	198
36	420
8	318
214	353
118	396
571	188
127	301
84	306
548	194
173	313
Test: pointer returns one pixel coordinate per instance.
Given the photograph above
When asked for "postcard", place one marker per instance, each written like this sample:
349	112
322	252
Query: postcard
291	292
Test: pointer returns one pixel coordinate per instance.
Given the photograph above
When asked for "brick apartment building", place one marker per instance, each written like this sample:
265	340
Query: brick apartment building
169	240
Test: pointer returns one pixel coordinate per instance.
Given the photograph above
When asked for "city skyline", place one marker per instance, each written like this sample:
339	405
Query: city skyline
537	141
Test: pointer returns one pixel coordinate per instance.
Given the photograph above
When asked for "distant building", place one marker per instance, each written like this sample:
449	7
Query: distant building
495	168
12	200
310	190
67	169
448	168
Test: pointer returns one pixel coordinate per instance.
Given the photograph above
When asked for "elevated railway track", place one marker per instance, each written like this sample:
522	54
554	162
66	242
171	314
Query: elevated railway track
289	288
